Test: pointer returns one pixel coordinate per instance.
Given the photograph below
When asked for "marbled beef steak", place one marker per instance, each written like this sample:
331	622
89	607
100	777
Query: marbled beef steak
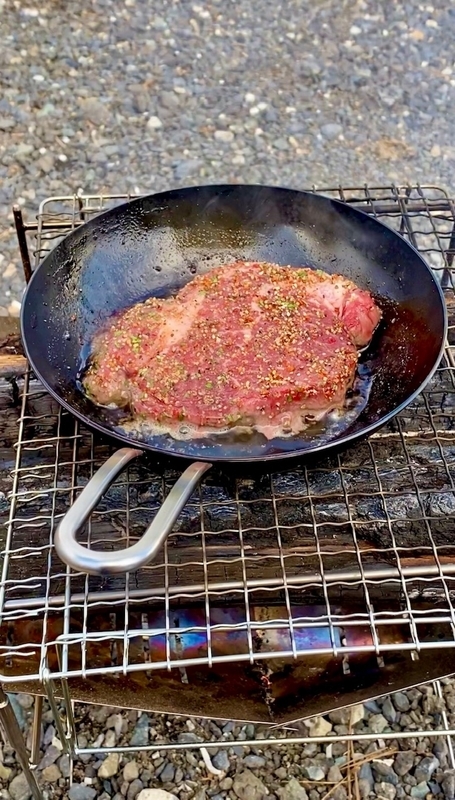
248	344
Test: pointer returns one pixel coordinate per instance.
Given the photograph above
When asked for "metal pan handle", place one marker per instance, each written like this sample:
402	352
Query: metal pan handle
96	562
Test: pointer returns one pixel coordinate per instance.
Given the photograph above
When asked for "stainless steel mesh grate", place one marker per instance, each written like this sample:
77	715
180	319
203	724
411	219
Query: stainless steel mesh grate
354	554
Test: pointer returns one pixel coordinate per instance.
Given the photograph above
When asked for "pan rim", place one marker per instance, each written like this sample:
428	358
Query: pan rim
320	449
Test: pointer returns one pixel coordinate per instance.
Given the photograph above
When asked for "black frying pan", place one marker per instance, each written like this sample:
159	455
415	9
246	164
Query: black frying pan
152	246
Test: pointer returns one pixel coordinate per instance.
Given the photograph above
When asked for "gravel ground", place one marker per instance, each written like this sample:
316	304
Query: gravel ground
133	96
390	770
106	96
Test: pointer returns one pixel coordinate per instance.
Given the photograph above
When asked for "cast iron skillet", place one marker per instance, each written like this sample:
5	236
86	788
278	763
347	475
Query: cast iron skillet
152	246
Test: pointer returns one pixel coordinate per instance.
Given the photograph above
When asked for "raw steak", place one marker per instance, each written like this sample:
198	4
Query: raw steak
248	344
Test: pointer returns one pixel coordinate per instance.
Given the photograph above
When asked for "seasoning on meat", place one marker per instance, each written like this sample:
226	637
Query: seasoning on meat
248	344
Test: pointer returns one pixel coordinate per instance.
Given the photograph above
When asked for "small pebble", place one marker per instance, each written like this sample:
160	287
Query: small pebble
404	761
385	791
293	790
424	770
226	137
153	123
420	791
51	774
377	723
400	701
254	762
315	773
109	767
79	791
221	760
19	788
130	771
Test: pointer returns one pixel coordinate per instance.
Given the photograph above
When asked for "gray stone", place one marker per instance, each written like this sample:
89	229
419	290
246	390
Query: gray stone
364	788
385	791
247	786
45	163
130	771
254	762
441	750
134	788
51	774
188	738
424	770
114	720
19	788
140	735
167	774
383	772
331	130
50	757
340	793
49	735
155	794
154	123
226	784
109	767
6	123
340	716
226	137
404	761
334	774
372	707
420	791
79	791
221	760
18	710
25	700
281	773
448	784
140	102
169	99
377	723
389	711
318	726
64	765
293	790
95	110
183	169
315	773
400	701
366	780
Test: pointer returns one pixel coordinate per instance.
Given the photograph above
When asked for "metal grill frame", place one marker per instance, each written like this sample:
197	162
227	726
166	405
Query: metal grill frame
424	215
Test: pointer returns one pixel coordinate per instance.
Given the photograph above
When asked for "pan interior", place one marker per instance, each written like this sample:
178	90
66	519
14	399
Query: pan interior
154	245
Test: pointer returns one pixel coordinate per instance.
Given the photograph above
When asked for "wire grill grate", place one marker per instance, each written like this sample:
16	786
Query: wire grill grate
354	554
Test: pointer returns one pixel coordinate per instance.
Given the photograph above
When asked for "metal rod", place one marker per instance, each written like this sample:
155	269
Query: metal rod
438	691
48	685
36	729
344	737
22	241
380	209
344	576
13	734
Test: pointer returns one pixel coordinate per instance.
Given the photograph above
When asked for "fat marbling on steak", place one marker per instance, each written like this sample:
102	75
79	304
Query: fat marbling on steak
247	344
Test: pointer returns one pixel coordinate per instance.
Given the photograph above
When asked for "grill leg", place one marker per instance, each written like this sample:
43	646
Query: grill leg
13	734
36	737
